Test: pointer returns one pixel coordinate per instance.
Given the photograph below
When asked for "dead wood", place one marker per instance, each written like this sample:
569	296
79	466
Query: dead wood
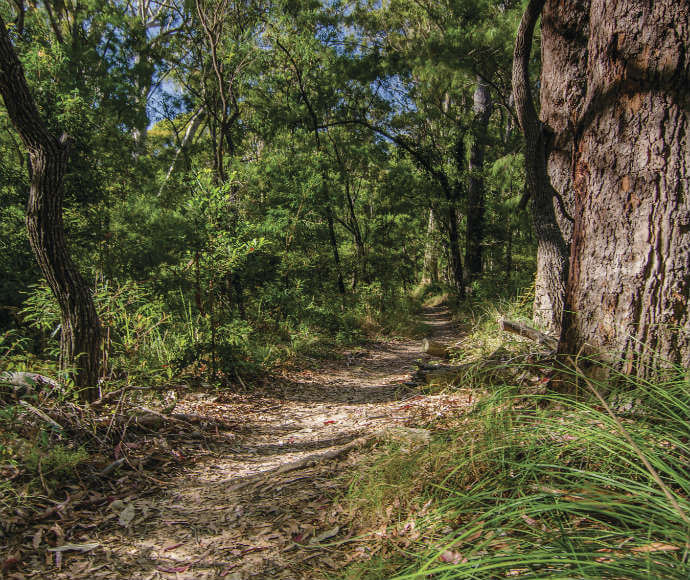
112	396
22	383
528	332
41	415
433	348
427	373
308	461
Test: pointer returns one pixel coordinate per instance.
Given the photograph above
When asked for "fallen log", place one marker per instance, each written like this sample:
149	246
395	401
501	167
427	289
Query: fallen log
42	415
528	332
309	461
22	383
433	348
427	374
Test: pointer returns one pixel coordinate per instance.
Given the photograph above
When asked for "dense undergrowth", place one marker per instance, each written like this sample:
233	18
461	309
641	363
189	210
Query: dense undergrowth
532	482
151	347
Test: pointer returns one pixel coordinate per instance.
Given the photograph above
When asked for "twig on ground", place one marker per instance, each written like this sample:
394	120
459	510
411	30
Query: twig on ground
528	332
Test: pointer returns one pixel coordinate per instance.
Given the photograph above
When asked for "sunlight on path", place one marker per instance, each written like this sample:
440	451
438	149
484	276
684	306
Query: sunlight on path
229	515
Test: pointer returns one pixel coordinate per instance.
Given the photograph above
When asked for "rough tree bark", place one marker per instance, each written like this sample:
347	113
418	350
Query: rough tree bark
552	249
629	283
475	194
80	333
563	86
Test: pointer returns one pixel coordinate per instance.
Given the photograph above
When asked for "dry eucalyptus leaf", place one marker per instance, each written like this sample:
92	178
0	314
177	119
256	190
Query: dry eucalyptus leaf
325	535
75	547
127	515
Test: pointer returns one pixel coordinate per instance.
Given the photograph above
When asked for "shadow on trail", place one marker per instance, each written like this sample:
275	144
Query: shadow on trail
203	522
294	447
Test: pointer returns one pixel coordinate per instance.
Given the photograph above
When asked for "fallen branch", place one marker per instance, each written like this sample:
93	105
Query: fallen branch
149	418
427	374
528	332
42	415
112	395
21	384
309	461
27	379
194	419
433	348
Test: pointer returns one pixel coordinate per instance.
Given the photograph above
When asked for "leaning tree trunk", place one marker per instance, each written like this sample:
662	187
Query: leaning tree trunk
552	249
563	86
80	336
475	193
629	284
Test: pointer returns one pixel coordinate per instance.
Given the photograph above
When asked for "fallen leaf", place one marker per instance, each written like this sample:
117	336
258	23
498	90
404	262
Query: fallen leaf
325	535
10	563
328	422
452	557
655	547
174	569
75	547
173	547
127	515
472	537
36	540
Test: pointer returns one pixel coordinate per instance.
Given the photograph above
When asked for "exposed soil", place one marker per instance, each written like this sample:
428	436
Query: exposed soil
236	505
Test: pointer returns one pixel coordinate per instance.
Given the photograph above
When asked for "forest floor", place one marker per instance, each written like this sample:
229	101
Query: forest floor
263	500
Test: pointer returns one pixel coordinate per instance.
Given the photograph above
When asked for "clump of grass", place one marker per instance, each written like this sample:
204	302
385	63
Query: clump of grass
539	486
55	462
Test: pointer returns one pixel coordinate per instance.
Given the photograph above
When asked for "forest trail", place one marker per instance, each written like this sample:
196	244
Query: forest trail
226	513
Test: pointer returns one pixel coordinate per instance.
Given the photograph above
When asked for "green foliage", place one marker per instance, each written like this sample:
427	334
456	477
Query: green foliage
211	267
56	462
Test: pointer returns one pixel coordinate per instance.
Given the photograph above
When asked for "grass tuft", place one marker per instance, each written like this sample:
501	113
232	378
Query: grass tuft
534	484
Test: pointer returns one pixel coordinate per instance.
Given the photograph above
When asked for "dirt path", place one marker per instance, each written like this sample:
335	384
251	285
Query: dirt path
228	515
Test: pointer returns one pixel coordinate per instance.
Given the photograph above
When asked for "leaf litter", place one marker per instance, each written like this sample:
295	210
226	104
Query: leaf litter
234	485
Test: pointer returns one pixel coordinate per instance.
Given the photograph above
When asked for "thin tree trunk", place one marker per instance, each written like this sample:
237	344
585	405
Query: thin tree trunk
552	250
458	279
356	233
509	254
334	247
475	195
430	272
190	133
80	332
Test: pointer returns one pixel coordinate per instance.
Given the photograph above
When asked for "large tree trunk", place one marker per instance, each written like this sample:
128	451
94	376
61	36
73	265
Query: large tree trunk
80	336
629	283
475	196
563	86
552	248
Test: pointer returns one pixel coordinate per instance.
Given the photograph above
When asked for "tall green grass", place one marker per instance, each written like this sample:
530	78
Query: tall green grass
539	486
